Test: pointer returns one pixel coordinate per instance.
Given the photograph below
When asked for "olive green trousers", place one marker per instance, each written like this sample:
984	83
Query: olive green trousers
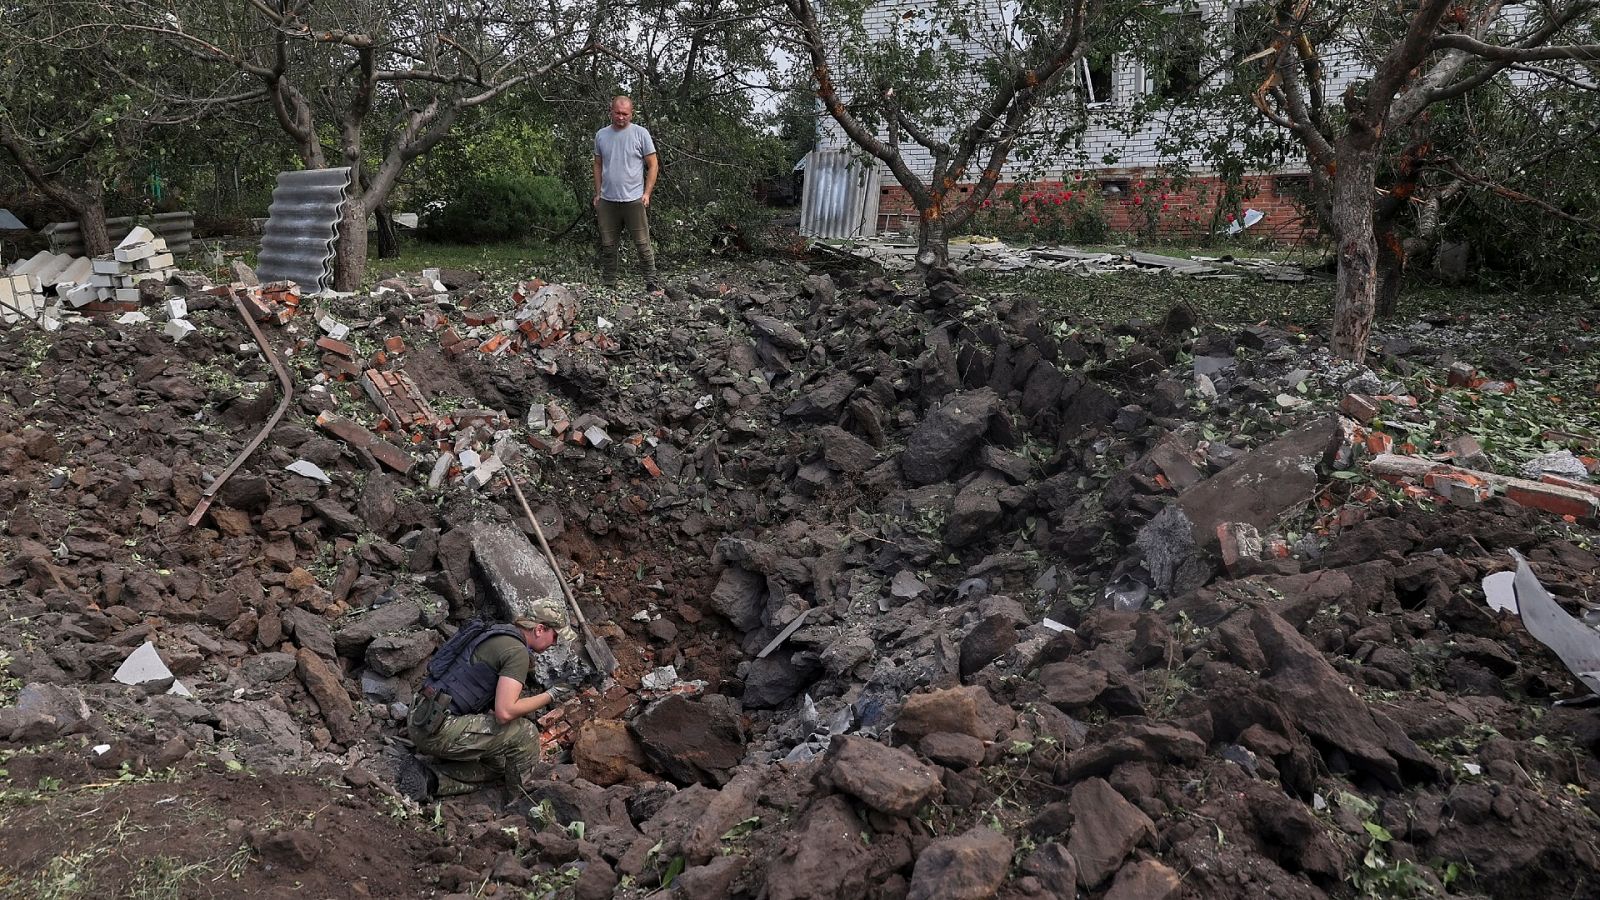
471	752
612	217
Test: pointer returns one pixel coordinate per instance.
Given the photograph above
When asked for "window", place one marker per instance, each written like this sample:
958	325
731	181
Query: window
1253	30
1177	67
1095	79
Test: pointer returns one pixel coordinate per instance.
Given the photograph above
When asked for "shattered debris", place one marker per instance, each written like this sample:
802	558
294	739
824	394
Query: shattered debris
895	590
994	255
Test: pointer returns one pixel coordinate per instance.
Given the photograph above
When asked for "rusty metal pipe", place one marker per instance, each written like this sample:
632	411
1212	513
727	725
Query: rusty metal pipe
272	422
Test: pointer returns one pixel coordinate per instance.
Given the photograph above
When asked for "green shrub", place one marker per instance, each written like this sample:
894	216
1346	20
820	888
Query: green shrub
501	207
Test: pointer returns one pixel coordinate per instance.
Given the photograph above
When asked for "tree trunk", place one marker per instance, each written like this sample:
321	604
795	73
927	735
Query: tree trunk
388	238
1391	274
92	224
350	250
1355	294
933	244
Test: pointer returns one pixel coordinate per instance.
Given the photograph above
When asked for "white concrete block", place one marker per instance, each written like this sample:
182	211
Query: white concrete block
81	294
178	329
335	328
133	253
138	235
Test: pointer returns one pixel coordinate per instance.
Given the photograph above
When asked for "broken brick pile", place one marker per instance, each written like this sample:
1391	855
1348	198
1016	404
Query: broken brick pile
544	317
470	445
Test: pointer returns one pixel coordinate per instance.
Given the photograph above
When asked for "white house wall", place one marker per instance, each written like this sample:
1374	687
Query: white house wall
1101	141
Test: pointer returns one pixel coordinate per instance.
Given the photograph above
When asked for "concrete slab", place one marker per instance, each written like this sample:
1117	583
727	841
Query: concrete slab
514	569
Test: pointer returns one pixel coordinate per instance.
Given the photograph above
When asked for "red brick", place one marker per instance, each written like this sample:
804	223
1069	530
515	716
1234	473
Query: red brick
340	367
1553	499
1567	437
1361	407
1590	489
360	438
650	466
1239	542
395	344
339	347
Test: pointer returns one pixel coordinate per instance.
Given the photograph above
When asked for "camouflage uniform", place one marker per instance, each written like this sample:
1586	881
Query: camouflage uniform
471	749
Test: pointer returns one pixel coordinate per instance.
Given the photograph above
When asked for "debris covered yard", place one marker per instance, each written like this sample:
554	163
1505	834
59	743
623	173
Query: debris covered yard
1035	585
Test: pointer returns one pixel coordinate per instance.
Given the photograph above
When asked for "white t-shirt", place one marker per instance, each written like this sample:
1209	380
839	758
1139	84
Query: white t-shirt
621	152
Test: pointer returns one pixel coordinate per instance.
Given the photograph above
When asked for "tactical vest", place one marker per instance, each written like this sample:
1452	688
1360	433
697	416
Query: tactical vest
453	671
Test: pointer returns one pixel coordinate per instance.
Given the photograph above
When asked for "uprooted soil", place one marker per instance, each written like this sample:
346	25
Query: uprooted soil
1014	676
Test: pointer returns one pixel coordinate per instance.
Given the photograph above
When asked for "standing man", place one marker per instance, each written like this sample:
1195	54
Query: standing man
470	715
625	168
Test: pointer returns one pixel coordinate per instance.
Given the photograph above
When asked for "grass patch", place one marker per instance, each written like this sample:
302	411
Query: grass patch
501	263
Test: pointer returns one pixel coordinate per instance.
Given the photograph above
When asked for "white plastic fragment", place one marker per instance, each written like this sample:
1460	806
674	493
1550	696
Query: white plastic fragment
101	749
1577	644
1055	626
308	469
1500	591
144	665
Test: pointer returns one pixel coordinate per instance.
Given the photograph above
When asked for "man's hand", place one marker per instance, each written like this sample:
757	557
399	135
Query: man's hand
596	201
560	693
646	199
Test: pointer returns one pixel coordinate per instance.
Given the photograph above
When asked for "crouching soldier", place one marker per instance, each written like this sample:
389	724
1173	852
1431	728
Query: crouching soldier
470	716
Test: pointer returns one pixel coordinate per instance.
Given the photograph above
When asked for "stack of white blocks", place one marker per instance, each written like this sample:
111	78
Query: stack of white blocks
21	298
140	257
23	289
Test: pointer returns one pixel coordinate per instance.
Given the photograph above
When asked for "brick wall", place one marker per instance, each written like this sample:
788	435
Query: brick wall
1140	203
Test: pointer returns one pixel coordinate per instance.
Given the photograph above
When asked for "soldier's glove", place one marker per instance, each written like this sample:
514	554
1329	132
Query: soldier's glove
560	693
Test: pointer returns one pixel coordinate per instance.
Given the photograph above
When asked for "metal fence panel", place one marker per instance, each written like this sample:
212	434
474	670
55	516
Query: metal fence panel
176	228
302	226
840	198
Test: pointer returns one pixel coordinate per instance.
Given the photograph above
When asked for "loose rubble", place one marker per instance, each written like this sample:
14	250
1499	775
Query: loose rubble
915	593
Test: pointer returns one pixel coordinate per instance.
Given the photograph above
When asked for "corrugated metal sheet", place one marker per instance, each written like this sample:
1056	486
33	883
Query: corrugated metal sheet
176	228
302	226
840	198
